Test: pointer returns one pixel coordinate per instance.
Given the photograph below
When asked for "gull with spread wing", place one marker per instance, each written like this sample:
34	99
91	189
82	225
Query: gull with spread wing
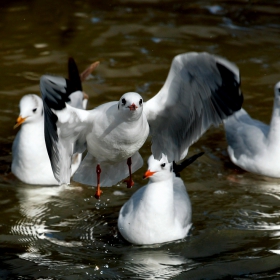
201	90
30	162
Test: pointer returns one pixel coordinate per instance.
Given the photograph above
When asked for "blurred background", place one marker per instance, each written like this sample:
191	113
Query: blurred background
64	232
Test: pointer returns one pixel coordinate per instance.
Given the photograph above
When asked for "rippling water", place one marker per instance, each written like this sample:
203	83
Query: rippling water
64	232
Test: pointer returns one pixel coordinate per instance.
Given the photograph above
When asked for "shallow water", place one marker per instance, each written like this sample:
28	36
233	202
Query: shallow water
64	232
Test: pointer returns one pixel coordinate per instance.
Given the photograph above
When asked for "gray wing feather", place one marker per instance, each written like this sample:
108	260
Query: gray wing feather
76	100
63	138
201	90
245	136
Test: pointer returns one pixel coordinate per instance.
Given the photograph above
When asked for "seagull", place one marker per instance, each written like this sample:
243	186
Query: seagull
253	145
201	90
30	162
161	210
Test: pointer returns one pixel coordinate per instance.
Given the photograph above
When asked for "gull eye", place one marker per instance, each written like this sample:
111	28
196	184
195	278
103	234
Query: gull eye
162	165
123	101
141	101
34	110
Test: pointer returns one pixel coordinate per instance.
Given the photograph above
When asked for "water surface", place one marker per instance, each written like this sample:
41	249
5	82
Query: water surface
63	232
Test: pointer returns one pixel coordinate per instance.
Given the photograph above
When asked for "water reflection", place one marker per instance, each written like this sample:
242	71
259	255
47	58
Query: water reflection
259	210
153	264
64	232
37	227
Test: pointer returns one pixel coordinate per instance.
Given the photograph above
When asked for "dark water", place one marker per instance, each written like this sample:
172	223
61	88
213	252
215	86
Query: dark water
64	232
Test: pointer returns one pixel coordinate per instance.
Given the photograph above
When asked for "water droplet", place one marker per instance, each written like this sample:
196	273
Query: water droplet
156	40
95	19
40	45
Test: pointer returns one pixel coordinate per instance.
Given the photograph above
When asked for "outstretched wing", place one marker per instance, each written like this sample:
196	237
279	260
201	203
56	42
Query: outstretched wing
65	127
200	90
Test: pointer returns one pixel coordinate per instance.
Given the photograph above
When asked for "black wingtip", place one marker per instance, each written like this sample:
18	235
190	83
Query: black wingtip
51	137
228	96
177	168
74	76
54	91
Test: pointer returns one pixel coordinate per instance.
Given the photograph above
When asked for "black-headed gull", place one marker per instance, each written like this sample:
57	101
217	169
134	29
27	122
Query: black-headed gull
201	90
160	211
30	162
253	145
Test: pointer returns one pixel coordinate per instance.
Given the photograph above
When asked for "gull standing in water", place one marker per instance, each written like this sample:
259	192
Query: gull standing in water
253	145
160	211
30	162
201	90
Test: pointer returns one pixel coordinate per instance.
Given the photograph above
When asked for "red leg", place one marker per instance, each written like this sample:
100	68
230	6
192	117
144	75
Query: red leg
98	191
129	182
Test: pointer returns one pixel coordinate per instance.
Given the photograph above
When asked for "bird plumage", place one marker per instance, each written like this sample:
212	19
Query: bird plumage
159	211
200	90
253	145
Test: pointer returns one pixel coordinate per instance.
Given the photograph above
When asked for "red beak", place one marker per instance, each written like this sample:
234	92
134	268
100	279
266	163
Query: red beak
148	174
132	107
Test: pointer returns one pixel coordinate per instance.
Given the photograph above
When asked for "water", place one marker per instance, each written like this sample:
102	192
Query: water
63	232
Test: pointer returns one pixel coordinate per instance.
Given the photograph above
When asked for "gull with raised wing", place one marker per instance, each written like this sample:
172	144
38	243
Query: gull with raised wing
30	162
253	145
201	90
161	210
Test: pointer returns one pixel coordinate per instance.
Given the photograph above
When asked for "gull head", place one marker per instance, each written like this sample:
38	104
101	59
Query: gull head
31	109
159	170
131	104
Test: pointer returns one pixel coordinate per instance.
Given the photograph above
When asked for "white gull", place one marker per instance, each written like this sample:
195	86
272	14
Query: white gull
30	162
161	210
201	90
253	145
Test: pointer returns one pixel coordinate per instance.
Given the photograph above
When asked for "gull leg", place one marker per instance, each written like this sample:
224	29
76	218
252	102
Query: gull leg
129	182
98	191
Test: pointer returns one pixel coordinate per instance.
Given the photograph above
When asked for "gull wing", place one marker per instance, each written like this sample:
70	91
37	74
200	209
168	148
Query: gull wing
201	90
65	127
245	136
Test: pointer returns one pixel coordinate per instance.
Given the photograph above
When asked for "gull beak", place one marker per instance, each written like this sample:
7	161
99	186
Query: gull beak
148	174
132	107
19	121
